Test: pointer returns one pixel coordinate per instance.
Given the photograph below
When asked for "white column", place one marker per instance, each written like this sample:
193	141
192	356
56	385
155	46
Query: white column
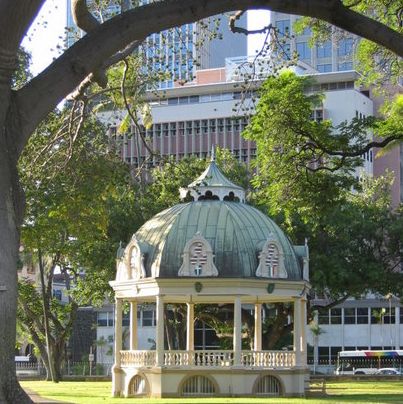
159	341
397	327
118	330
133	326
190	327
237	331
297	331
116	370
258	327
303	332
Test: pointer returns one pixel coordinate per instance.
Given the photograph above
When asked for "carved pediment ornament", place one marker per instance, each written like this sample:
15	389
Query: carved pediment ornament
131	265
198	258
271	260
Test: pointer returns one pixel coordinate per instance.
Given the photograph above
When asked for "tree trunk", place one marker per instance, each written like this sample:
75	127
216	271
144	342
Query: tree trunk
11	214
50	370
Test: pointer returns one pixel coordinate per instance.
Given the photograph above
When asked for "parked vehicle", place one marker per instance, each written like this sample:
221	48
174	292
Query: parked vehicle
367	362
388	371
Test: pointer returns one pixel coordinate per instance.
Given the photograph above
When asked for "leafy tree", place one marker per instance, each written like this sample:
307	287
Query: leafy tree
163	191
22	110
305	178
67	215
304	164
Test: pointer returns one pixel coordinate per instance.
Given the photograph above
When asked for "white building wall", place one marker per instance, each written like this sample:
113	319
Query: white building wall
375	335
344	105
106	333
207	110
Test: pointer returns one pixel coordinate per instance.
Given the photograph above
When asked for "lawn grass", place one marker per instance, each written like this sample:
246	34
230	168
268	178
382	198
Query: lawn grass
360	392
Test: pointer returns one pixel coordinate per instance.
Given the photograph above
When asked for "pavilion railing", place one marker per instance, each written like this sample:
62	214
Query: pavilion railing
138	358
199	358
268	359
212	358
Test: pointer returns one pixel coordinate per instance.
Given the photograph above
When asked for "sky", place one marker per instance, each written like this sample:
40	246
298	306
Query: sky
46	36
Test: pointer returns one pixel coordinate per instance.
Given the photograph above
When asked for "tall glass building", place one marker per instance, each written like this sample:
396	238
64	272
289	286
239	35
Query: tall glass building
333	55
179	52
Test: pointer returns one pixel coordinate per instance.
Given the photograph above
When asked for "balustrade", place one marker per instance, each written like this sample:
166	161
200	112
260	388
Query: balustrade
268	359
138	358
261	359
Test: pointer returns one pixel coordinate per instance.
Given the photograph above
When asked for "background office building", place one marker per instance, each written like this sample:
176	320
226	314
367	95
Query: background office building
181	51
189	120
333	55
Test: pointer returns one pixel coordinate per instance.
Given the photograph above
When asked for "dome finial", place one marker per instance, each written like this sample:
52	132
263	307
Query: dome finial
212	184
212	153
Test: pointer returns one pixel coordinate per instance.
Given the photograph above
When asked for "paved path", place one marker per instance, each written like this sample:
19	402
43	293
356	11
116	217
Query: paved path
36	398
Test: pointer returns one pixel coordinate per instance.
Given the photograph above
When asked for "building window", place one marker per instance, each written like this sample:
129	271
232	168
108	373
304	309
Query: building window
335	316
105	319
349	316
173	101
334	350
377	315
345	66
148	318
57	294
323	354
389	317
324	51
345	47
287	50
356	315
324	68
362	315
303	50
323	316
317	115
283	27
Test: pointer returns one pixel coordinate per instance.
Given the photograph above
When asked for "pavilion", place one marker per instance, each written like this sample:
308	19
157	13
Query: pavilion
215	249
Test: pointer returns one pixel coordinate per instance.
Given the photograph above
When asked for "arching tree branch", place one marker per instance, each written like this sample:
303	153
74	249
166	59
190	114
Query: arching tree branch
45	91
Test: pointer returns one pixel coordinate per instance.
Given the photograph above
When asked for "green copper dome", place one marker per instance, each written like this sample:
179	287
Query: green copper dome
236	233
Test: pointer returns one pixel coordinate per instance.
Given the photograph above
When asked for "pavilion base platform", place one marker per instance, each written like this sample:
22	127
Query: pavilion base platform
210	379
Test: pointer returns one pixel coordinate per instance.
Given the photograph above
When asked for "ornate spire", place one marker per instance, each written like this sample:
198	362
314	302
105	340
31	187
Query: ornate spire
212	184
212	159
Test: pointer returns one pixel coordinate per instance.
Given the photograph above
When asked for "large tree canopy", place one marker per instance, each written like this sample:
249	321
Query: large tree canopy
22	110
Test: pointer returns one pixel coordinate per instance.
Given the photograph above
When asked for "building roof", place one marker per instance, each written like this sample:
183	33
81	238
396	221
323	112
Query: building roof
235	231
213	177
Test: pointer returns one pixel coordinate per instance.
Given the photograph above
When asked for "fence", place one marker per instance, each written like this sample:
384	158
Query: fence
68	368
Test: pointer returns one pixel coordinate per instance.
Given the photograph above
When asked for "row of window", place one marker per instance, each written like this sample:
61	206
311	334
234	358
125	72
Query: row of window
342	85
196	99
145	318
317	115
227	96
204	126
368	156
239	154
359	315
327	67
344	46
